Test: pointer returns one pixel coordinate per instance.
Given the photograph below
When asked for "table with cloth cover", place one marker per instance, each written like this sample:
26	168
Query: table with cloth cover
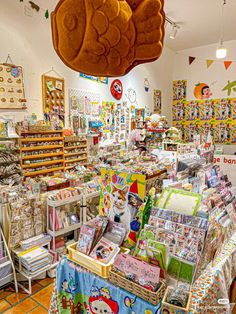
78	291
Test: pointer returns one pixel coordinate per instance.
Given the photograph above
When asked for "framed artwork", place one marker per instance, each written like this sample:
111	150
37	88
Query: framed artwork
12	93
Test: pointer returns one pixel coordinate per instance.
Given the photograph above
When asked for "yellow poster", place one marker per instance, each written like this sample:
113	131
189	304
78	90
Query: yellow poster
122	196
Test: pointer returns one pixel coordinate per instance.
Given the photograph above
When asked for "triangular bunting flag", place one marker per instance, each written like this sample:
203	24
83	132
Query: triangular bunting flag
227	64
209	63
191	59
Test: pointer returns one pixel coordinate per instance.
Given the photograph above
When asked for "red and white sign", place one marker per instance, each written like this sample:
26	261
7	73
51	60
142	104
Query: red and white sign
227	164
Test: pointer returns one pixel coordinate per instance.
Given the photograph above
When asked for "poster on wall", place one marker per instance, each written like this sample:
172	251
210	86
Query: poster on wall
102	79
122	195
157	101
179	90
53	101
202	91
204	116
116	89
12	93
178	110
207	110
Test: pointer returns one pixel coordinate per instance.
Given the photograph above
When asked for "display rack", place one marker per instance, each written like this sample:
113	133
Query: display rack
29	277
7	269
42	152
73	227
75	151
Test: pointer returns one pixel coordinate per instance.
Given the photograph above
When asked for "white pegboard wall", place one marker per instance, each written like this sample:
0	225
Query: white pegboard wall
81	95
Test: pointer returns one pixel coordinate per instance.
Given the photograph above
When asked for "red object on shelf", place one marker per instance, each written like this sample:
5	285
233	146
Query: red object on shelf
156	130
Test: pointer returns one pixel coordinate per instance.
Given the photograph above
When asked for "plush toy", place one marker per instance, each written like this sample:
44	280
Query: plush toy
108	37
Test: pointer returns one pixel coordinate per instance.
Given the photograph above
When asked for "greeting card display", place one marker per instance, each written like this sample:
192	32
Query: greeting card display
53	101
12	93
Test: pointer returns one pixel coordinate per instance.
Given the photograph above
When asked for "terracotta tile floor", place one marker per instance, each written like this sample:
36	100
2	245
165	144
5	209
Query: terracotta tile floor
23	303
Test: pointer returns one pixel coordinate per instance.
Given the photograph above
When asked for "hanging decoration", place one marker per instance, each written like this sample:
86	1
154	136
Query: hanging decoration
103	80
227	64
132	96
116	89
209	63
109	37
191	59
146	85
36	7
157	101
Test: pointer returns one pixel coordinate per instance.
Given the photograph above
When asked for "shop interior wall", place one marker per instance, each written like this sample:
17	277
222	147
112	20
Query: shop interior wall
28	41
215	76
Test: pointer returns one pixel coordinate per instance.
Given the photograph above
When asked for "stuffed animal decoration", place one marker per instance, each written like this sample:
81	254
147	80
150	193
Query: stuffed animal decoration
108	37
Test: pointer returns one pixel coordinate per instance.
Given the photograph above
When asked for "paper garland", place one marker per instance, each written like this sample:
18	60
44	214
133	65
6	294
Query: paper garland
209	62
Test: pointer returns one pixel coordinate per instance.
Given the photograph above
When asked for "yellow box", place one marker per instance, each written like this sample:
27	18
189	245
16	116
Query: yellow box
91	264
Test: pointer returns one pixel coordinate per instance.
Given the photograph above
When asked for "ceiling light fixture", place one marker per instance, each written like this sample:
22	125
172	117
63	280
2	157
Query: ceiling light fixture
175	28
173	31
221	51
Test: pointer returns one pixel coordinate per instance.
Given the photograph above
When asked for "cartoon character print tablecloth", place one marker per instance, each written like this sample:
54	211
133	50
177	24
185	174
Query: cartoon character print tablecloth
78	291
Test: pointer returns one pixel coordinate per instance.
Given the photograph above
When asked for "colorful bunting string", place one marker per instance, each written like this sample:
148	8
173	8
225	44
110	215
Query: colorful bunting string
209	62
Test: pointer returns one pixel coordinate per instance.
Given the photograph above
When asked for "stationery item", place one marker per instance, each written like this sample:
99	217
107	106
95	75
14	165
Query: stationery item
183	202
74	219
86	239
157	253
141	272
115	232
104	250
181	269
100	223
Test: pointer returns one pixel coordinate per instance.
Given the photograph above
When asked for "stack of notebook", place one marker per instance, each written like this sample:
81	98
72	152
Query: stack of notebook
33	260
39	240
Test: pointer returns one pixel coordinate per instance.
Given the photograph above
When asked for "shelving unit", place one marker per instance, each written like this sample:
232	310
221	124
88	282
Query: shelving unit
7	269
73	227
51	156
75	151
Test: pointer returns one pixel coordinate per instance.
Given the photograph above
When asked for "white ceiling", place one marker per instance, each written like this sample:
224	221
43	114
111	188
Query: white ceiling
199	22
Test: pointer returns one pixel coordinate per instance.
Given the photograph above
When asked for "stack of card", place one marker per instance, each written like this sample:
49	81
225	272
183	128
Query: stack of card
115	232
105	250
138	271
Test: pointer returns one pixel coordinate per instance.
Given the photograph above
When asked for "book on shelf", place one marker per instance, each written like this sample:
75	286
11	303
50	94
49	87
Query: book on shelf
39	240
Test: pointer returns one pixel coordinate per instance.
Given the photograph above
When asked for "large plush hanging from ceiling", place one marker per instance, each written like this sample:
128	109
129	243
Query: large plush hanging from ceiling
108	37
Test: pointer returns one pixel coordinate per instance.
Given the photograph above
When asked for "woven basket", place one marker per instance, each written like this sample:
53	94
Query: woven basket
150	296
